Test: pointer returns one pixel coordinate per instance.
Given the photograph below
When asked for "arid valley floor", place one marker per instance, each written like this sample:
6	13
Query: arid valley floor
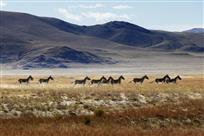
61	108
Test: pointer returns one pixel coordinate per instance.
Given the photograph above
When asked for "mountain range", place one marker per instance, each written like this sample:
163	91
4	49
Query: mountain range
195	30
29	41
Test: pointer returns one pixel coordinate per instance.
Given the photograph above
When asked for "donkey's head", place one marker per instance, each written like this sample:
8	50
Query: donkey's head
30	77
103	78
87	78
121	77
178	77
146	77
51	78
110	78
167	77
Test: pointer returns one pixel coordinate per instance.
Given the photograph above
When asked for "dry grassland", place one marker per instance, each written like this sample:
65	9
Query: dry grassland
61	108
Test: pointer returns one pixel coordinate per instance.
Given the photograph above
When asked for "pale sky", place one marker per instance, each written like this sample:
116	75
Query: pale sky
171	15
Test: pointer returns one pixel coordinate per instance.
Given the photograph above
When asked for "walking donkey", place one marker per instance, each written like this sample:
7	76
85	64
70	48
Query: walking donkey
173	80
98	81
83	81
117	81
26	80
46	80
140	80
162	80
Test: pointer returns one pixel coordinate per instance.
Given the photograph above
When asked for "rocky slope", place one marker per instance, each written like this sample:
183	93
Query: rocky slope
27	40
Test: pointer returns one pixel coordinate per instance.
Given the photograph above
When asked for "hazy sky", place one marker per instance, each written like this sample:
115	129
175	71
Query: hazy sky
172	15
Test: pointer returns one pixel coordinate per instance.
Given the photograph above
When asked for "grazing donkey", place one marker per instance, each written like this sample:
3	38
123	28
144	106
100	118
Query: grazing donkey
97	81
46	80
140	80
107	81
117	81
173	80
83	81
162	80
25	80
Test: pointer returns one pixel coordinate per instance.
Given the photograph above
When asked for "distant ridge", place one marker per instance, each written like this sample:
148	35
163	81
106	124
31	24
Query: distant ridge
27	40
195	30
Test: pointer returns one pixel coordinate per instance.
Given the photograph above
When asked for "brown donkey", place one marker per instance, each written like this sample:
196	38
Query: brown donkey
98	81
83	81
107	81
173	80
162	80
25	80
117	81
140	80
46	80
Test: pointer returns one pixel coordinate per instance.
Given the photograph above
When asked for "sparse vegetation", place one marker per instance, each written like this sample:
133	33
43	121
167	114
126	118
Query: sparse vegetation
142	110
159	120
99	113
87	120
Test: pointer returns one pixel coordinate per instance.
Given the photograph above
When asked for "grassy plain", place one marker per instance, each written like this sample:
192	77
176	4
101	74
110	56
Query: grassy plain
149	109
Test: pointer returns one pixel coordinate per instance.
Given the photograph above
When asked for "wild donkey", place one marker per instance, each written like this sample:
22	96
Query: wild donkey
173	80
25	80
140	80
46	80
97	81
107	81
117	81
83	81
162	80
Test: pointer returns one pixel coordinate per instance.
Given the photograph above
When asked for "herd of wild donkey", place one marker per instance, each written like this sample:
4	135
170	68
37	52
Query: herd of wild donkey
110	80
